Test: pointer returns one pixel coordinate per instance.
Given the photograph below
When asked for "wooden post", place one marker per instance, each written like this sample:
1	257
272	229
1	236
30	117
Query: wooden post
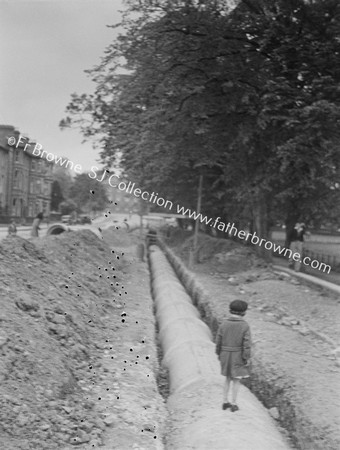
141	245
193	254
141	227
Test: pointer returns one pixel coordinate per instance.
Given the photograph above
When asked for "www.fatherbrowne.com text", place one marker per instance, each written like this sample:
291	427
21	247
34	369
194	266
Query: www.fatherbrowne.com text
221	226
160	201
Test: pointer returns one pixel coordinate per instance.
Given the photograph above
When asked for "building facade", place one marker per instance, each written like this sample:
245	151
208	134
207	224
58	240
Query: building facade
4	164
25	179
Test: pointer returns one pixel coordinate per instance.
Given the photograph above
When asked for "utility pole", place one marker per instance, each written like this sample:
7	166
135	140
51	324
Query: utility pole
193	253
141	212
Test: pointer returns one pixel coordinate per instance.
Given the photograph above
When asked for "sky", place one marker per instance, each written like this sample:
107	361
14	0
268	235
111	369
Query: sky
45	46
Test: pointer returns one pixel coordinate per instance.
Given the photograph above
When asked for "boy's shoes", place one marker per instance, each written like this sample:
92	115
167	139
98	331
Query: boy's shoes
226	405
234	408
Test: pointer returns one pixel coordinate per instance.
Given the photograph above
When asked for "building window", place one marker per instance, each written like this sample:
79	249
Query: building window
16	155
16	179
46	188
30	209
33	164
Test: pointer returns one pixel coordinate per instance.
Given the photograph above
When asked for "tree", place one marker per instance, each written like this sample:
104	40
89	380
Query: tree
252	93
67	207
56	196
88	194
64	178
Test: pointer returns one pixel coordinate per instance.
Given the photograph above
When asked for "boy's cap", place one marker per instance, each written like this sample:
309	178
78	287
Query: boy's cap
238	306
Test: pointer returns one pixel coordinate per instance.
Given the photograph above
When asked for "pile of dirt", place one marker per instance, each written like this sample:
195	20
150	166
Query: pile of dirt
223	255
118	236
54	293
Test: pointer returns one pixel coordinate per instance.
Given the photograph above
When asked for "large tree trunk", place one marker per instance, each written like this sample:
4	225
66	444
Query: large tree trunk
291	219
260	224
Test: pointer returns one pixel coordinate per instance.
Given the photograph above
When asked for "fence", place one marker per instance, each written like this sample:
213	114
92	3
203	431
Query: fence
331	260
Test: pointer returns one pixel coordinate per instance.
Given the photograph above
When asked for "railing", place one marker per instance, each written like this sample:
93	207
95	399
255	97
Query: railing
331	260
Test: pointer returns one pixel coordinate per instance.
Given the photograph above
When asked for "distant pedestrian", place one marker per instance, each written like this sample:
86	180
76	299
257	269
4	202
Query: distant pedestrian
233	344
151	236
35	225
296	239
12	228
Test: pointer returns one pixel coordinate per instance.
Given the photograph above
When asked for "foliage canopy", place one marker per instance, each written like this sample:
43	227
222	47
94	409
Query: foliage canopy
247	95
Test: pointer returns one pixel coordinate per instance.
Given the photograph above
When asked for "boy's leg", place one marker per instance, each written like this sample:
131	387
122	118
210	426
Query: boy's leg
235	389
226	389
226	385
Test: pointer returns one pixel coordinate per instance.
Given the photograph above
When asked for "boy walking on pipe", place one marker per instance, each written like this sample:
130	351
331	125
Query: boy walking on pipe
233	349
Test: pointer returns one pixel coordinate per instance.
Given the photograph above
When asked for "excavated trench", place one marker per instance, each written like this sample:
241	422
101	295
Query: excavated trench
297	429
162	375
185	331
268	394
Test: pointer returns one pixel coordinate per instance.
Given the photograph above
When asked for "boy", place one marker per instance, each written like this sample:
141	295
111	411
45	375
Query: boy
233	349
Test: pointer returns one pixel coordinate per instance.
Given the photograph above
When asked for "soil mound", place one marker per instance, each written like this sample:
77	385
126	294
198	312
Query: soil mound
119	237
53	294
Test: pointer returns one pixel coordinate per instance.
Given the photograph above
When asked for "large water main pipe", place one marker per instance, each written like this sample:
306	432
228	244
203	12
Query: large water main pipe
194	375
57	229
186	340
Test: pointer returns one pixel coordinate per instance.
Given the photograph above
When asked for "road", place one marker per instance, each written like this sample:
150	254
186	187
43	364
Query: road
101	222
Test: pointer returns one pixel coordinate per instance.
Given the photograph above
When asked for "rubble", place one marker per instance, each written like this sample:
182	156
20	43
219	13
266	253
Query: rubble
60	297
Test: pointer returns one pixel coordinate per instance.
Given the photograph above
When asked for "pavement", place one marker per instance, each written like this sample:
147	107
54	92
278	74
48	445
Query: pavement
309	278
309	274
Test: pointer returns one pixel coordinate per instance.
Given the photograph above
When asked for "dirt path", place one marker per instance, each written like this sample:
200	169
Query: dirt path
295	334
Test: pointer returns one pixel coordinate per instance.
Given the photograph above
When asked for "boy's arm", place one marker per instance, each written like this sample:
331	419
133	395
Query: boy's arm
246	345
219	340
